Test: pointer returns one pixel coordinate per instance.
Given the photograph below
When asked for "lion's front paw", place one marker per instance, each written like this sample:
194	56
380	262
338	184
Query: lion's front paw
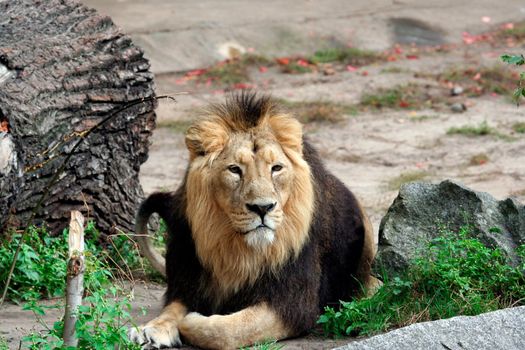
156	334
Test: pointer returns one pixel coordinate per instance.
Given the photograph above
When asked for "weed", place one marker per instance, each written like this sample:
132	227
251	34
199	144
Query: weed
395	183
40	269
295	68
270	345
103	319
454	275
318	111
517	32
483	129
234	71
3	343
479	159
410	96
519	127
346	55
478	81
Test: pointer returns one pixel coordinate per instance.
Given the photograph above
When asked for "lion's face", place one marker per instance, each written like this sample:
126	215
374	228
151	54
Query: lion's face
252	179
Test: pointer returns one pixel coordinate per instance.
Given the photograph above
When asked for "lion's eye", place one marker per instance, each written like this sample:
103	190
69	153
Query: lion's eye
276	168
235	169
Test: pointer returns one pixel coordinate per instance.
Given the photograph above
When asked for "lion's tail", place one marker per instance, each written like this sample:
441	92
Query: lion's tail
155	203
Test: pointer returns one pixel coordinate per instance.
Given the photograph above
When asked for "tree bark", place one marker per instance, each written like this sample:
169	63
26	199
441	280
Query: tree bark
63	69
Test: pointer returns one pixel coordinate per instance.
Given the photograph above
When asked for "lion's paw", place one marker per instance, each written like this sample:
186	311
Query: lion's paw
156	335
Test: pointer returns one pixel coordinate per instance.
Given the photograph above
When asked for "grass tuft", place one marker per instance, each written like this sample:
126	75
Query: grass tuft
410	96
519	127
479	159
346	55
395	183
234	71
455	275
482	129
478	81
318	111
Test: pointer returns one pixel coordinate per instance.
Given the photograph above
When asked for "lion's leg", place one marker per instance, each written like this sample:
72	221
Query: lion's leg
161	331
254	324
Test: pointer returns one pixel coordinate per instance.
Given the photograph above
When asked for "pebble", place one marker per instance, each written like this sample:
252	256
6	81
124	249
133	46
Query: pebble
458	107
456	90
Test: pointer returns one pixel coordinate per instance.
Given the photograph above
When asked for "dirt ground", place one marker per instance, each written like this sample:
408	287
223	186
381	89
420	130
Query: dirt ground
371	150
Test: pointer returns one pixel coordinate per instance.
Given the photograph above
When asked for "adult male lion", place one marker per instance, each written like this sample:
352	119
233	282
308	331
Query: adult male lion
261	235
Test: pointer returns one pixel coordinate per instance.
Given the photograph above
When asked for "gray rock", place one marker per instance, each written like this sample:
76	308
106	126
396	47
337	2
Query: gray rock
502	329
458	107
456	90
422	211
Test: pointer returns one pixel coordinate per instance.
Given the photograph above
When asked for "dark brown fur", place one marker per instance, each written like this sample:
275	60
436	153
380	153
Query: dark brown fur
324	272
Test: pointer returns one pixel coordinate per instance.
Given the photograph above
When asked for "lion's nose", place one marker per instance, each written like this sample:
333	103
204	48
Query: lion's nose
261	209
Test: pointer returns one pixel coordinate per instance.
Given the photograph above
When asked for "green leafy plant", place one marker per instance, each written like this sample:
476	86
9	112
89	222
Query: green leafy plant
40	269
3	343
517	60
104	317
455	275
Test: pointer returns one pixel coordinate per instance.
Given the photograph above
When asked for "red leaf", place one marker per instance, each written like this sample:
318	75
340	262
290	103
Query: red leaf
263	69
196	72
283	60
412	57
403	104
351	68
302	63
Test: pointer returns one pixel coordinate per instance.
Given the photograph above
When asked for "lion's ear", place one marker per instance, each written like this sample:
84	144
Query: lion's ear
288	131
206	137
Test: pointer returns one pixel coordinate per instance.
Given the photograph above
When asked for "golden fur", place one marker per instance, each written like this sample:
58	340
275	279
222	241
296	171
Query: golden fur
219	247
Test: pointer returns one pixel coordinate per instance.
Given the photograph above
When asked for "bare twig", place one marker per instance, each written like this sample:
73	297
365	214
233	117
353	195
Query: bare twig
75	277
53	180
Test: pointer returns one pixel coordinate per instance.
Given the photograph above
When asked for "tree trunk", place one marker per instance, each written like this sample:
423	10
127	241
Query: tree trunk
63	69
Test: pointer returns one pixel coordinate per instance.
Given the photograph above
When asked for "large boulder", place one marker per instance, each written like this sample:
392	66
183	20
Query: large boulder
422	211
502	329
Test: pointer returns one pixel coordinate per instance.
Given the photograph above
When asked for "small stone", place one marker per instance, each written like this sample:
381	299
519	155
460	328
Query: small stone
458	107
456	91
328	70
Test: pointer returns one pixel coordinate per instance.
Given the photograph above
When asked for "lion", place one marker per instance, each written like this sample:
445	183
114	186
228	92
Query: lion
261	236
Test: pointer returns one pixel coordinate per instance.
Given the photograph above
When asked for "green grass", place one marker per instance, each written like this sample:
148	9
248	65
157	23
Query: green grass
318	111
3	343
519	127
346	55
455	275
517	33
270	345
409	96
480	130
395	183
478	81
40	269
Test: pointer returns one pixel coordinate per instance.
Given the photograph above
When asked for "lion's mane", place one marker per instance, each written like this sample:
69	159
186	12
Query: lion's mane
322	250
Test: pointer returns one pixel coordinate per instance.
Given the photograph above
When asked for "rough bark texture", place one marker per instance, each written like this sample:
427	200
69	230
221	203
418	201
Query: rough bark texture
65	68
